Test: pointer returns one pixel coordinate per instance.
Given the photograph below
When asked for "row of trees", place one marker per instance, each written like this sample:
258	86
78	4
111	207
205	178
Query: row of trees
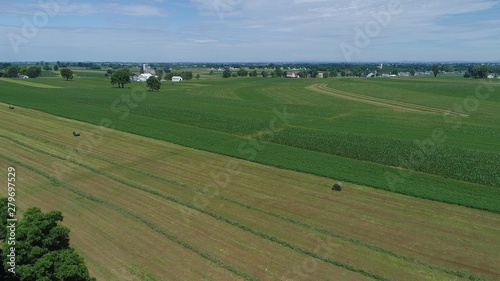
278	72
478	71
42	250
186	75
15	71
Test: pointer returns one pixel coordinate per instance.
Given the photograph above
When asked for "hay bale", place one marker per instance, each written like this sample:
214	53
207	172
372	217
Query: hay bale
11	106
337	186
76	133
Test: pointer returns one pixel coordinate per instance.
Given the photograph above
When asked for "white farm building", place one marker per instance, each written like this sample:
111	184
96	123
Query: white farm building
176	78
143	77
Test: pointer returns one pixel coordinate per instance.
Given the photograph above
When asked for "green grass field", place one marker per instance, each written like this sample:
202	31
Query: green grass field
143	209
451	158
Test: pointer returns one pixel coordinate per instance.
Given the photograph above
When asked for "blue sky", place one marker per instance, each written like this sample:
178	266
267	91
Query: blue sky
256	30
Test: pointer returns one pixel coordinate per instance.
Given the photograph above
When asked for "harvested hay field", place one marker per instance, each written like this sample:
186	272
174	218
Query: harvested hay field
140	207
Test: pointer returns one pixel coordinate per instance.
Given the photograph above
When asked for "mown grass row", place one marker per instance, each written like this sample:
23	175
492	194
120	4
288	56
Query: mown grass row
458	273
214	215
449	162
137	218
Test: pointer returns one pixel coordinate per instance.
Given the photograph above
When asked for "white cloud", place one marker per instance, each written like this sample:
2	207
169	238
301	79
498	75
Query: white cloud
205	41
279	29
85	9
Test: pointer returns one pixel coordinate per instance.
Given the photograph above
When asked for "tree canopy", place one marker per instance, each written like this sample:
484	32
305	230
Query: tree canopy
12	72
479	71
435	69
242	72
121	77
186	75
42	249
66	73
153	83
226	73
33	71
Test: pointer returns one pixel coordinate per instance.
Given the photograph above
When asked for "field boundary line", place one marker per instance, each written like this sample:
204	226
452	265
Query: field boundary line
217	217
324	89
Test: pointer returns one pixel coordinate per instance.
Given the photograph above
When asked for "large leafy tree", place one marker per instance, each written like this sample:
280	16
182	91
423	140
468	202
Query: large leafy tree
153	83
121	77
226	73
242	72
479	71
42	249
66	73
12	72
278	72
33	71
435	69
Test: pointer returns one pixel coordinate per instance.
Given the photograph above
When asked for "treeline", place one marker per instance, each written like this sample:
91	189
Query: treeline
39	250
358	70
14	71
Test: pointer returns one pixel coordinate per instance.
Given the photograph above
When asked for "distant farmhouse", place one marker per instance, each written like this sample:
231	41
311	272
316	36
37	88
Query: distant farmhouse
292	75
147	72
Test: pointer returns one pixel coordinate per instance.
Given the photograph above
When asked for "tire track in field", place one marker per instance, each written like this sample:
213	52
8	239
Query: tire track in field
190	206
323	89
137	218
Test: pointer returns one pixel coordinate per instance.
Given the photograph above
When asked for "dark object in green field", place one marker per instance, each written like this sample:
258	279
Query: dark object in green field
337	186
11	106
76	133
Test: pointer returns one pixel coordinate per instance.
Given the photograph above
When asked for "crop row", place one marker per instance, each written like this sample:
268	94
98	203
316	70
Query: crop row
288	157
446	161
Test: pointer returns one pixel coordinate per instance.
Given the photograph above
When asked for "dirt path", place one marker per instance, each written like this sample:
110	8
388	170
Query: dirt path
323	89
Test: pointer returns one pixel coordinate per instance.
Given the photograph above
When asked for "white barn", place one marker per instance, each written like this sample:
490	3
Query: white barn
176	78
143	77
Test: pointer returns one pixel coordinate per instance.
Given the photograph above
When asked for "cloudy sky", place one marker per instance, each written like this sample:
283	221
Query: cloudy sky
250	30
